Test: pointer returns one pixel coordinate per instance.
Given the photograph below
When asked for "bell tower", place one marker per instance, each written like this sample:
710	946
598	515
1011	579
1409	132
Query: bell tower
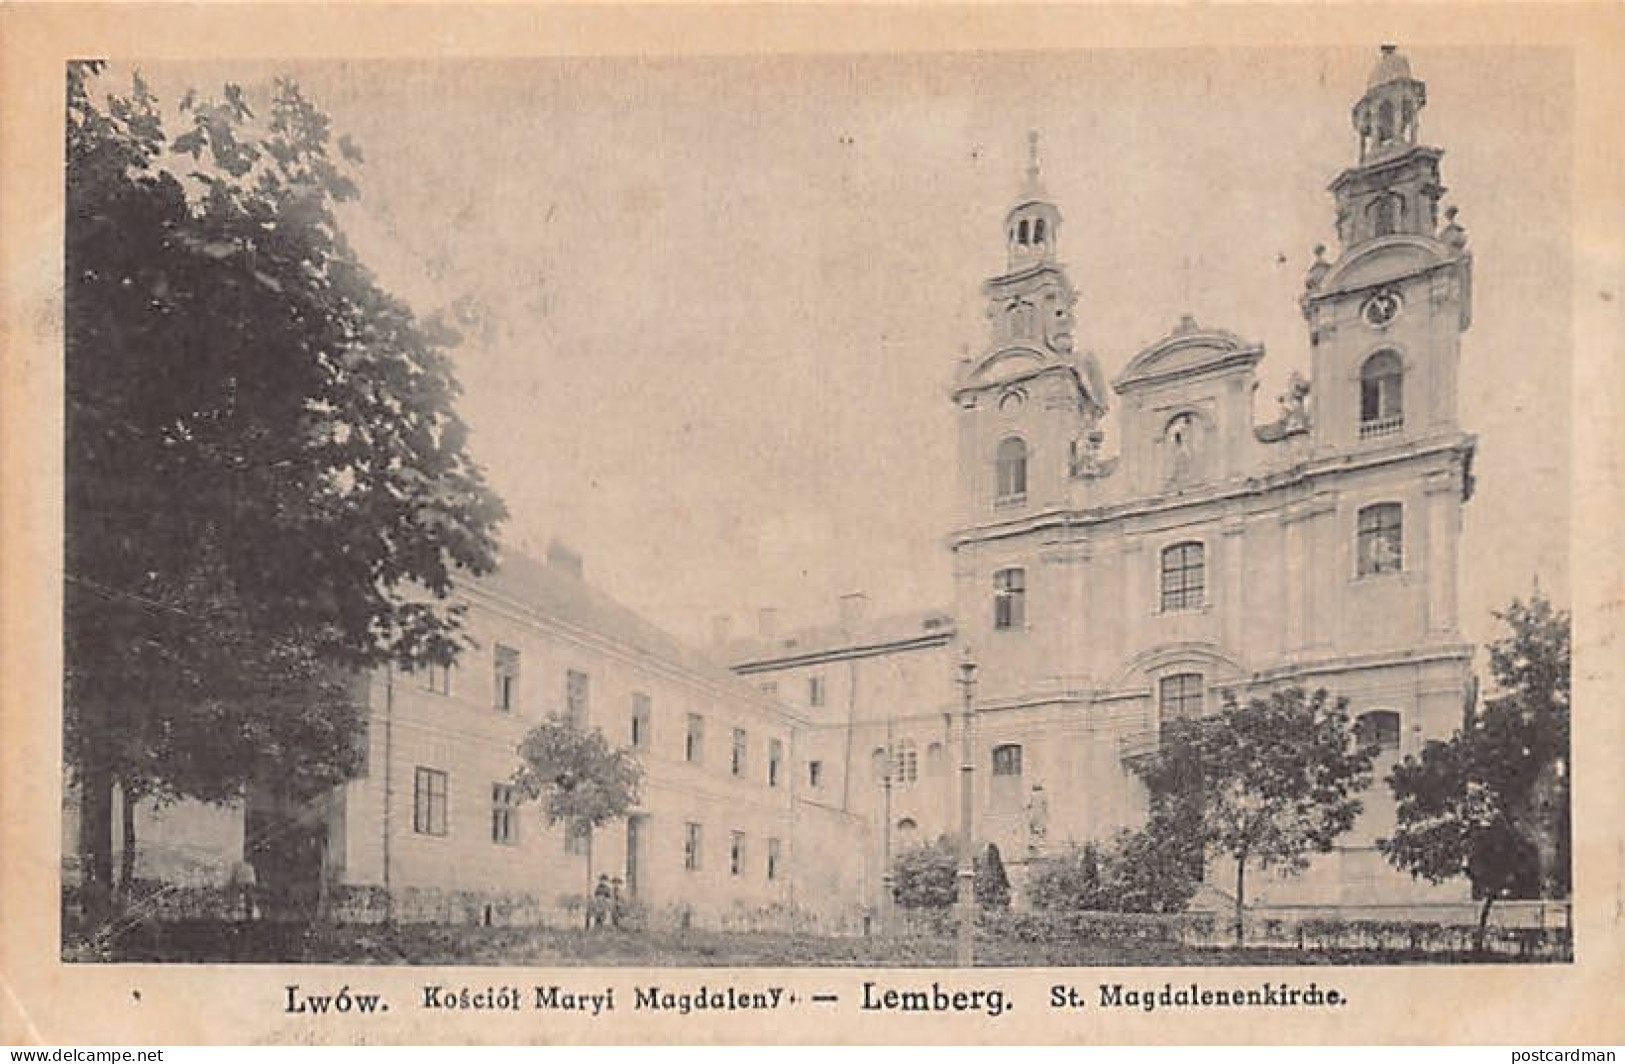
1395	187
1027	401
1034	223
1385	319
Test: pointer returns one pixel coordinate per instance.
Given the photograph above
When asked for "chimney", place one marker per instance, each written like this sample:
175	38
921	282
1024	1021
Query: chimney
720	625
767	622
854	608
562	557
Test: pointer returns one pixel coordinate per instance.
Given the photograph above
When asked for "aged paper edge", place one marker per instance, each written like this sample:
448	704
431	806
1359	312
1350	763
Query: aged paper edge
44	1001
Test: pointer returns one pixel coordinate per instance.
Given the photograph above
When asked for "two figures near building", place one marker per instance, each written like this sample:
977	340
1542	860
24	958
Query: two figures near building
606	906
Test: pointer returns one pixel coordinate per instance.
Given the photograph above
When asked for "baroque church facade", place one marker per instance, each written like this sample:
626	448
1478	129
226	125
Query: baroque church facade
1102	597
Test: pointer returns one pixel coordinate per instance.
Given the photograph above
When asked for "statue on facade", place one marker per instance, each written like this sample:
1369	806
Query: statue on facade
1085	460
1317	269
1059	322
1180	438
1037	820
1452	233
1295	404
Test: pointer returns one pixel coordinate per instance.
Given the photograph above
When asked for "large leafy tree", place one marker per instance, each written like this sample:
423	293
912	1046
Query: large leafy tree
267	484
579	779
1492	802
1274	780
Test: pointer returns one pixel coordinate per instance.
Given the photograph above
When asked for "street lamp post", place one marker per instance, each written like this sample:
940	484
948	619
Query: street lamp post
967	867
887	875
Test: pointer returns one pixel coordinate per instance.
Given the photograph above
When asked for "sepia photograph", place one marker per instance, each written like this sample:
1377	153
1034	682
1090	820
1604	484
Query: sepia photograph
1064	509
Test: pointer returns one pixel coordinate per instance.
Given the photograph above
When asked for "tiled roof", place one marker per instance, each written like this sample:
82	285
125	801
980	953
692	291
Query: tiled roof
556	593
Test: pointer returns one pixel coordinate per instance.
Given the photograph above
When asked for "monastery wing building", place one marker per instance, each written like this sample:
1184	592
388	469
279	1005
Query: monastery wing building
1104	596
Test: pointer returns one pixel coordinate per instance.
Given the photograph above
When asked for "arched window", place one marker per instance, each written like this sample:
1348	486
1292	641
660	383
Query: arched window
1005	788
935	762
1385	214
907	831
1010	469
1009	599
877	763
1385	122
1038	231
1382	404
1379	727
1381	539
1007	760
1184	577
1021	233
1180	696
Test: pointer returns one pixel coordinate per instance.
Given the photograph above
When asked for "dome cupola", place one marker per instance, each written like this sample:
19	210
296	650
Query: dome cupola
1033	224
1386	116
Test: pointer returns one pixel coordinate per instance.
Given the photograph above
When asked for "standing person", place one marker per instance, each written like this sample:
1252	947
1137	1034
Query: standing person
615	902
598	908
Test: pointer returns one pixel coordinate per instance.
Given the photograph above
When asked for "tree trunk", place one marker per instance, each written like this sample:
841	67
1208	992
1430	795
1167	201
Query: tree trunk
1241	886
1483	923
126	870
592	899
96	840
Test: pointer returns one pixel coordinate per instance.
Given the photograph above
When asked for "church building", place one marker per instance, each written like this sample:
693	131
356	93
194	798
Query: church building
1113	575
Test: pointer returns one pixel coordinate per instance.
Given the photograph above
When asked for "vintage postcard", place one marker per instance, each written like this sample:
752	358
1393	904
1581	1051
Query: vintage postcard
586	524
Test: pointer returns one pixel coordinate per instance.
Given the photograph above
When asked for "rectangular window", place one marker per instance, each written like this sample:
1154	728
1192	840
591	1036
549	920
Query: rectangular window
1381	539
694	740
775	756
736	853
815	774
815	690
641	721
1180	696
507	678
504	814
429	802
1009	599
577	839
1183	577
437	678
1378	728
740	748
772	858
692	841
770	688
1007	760
907	762
575	697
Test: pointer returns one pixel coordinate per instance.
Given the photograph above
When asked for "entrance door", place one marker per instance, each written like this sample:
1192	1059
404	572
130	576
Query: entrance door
635	827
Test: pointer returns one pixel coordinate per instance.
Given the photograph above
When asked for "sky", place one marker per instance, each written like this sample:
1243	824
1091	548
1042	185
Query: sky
718	302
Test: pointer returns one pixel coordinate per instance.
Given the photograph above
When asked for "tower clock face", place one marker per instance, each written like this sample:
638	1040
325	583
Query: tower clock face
1381	309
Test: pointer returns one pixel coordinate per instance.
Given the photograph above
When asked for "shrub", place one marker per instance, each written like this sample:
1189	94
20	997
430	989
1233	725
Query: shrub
1145	871
1068	881
992	884
925	877
1153	870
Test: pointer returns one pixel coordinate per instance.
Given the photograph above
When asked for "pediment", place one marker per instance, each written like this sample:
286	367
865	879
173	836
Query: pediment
1020	363
1383	260
1010	363
1188	351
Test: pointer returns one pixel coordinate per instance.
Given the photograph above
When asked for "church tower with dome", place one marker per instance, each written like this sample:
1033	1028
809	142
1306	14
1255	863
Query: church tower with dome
1114	574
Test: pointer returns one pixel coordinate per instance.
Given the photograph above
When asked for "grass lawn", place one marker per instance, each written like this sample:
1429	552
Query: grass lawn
213	942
